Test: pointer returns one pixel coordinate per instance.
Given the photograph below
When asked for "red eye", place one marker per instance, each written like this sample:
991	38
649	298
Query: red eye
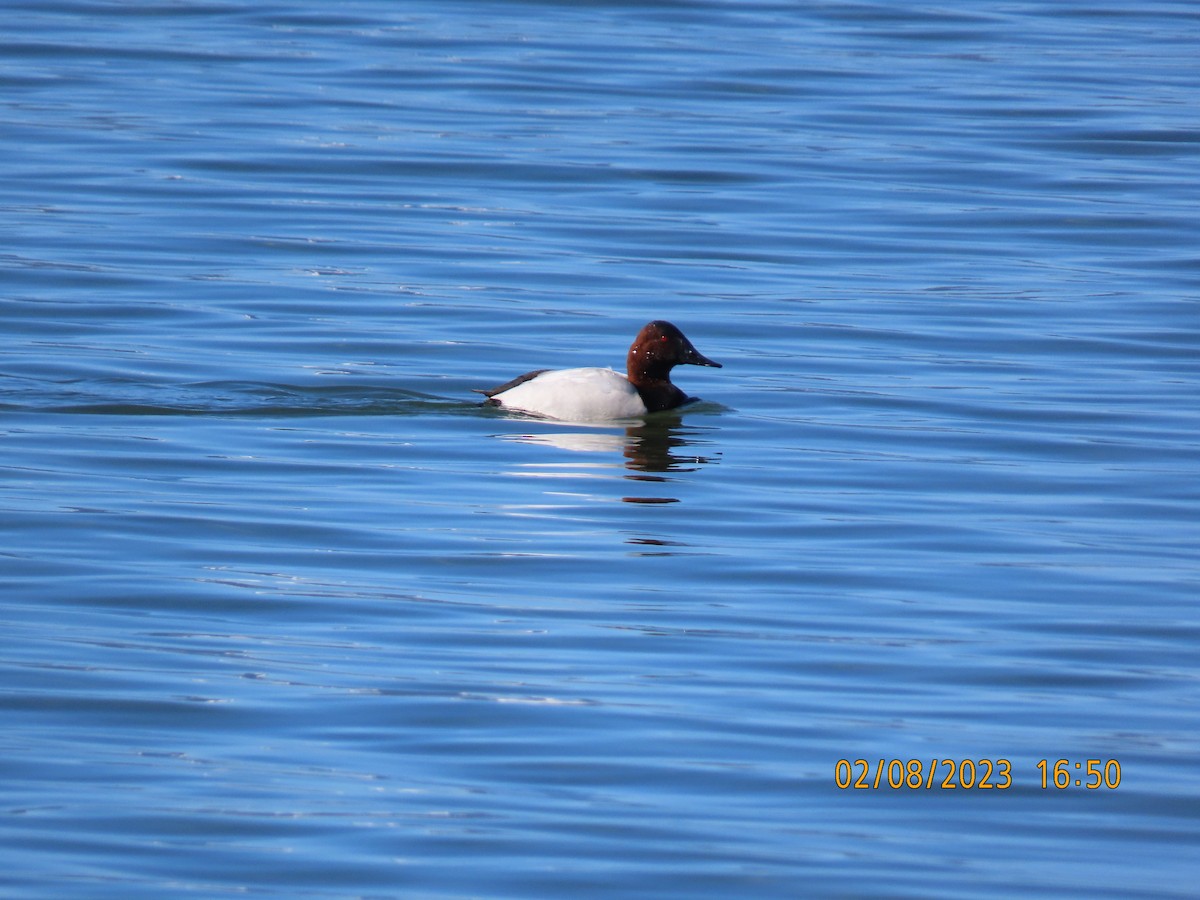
663	339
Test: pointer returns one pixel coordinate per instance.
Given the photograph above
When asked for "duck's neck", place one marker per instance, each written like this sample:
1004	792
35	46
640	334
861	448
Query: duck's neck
659	394
652	378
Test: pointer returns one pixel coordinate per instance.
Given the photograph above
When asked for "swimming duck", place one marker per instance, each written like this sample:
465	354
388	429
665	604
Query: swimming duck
595	394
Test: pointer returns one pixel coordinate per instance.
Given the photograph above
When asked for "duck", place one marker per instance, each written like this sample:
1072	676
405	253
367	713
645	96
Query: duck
597	394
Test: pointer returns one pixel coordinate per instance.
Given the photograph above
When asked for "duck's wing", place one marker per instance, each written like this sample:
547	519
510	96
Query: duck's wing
509	385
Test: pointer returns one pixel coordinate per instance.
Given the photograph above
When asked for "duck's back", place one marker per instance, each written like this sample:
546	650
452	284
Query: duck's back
579	395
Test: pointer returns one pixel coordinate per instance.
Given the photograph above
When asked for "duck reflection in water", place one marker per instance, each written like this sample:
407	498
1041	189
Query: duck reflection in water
661	444
651	448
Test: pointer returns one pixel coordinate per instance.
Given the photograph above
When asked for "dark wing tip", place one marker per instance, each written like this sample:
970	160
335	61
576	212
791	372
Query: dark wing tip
509	385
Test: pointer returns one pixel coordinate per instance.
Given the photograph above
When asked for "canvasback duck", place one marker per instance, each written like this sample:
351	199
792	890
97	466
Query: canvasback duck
594	394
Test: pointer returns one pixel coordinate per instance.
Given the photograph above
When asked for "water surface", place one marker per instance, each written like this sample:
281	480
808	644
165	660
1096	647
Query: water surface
289	614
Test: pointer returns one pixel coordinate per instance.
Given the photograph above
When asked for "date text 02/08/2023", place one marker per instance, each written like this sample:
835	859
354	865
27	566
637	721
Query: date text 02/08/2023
971	774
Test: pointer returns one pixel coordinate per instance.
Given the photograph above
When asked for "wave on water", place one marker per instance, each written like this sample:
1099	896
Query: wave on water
127	397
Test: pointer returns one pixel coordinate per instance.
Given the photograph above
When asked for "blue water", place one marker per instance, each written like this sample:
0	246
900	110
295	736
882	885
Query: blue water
288	614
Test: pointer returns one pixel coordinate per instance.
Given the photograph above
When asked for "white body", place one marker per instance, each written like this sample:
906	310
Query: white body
576	395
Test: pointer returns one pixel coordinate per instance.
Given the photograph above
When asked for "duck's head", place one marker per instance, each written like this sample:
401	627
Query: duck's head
658	348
